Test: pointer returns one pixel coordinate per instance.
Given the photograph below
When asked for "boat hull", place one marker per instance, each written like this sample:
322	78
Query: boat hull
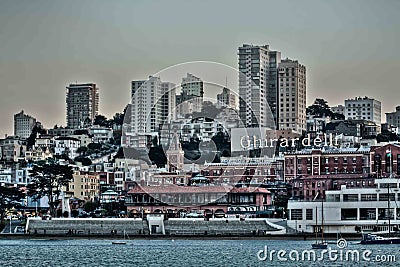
320	246
381	241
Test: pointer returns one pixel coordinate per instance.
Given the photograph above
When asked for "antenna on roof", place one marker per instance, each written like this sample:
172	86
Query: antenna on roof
226	81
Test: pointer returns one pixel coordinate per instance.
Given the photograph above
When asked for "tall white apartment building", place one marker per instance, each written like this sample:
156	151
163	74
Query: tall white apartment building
23	124
292	96
363	109
82	105
153	103
258	85
226	99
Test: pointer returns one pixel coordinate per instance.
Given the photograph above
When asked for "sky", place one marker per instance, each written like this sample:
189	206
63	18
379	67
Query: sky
350	48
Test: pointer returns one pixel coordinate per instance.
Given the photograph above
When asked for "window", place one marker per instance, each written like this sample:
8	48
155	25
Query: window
384	197
368	214
368	197
348	214
296	214
385	213
350	197
309	214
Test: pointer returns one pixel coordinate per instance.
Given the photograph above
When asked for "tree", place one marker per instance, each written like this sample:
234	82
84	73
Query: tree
32	137
118	118
10	197
48	181
157	156
319	109
101	120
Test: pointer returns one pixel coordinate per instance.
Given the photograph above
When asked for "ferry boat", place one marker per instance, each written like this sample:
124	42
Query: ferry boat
350	210
371	239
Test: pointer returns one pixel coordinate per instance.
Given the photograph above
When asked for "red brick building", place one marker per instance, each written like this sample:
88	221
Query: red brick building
380	157
314	186
318	162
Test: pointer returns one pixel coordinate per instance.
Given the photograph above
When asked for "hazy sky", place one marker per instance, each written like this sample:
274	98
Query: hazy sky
350	48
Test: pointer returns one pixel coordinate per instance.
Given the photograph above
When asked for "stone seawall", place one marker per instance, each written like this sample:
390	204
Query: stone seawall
87	227
139	227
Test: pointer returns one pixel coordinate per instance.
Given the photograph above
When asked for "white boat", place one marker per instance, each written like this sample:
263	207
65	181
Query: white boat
121	242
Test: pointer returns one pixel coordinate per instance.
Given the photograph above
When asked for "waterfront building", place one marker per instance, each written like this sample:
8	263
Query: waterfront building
23	124
82	105
214	200
349	210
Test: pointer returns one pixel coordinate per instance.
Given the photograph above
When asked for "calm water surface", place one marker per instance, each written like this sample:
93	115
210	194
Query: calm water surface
180	253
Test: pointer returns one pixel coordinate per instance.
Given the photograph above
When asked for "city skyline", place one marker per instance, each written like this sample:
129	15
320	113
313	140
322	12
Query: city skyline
347	54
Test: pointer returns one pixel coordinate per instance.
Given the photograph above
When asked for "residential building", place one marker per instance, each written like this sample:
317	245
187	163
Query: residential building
82	105
44	141
339	109
67	146
258	85
85	186
100	134
226	99
146	106
202	128
355	128
192	85
363	109
23	124
292	96
61	131
393	118
168	102
191	98
12	148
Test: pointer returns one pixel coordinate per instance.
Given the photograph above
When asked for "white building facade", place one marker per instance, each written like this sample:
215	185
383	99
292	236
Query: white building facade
258	85
363	109
23	124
